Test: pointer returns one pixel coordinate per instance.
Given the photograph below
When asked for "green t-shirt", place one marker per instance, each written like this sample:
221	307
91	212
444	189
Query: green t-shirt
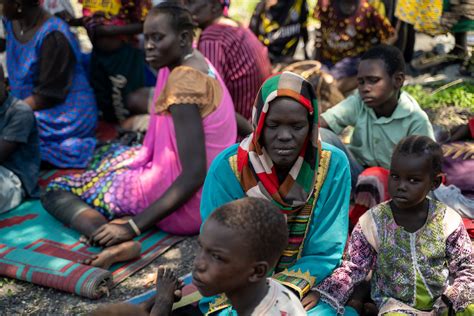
374	139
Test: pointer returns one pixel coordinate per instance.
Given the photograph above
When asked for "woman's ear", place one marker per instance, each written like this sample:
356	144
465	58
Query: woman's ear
260	271
184	38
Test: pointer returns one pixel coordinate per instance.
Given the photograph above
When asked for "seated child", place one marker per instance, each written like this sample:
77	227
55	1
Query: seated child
413	244
348	29
117	65
279	25
239	246
381	115
19	150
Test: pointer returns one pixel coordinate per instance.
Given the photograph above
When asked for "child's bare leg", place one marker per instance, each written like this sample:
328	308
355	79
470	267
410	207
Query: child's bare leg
118	253
167	287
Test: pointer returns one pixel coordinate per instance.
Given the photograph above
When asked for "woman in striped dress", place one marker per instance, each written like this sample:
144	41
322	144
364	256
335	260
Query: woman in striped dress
235	52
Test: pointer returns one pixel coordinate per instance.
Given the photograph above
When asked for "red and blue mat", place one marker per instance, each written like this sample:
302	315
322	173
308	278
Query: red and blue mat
36	248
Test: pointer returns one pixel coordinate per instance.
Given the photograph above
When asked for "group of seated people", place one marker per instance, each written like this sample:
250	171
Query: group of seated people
275	204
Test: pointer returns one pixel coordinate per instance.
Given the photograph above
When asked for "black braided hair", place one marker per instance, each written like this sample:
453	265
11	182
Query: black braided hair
181	17
422	145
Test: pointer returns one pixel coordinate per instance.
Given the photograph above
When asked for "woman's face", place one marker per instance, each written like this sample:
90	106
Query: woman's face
162	43
10	9
202	11
285	131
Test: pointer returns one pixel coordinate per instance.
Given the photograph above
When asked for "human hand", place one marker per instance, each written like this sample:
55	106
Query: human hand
310	300
460	132
65	15
111	234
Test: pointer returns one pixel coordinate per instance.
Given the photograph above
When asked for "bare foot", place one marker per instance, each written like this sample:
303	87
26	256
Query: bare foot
122	252
168	287
85	240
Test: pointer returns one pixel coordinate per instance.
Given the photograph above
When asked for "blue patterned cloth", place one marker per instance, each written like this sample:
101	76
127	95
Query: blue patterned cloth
66	131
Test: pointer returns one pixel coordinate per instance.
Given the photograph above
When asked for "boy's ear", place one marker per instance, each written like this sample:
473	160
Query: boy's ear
399	79
260	271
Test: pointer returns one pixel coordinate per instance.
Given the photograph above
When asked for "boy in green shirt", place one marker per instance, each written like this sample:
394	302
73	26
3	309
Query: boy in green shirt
380	112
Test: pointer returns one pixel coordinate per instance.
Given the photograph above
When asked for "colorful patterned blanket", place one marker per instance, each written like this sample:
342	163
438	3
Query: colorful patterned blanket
35	247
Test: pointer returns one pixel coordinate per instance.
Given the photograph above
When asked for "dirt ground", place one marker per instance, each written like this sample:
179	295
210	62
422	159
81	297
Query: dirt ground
22	298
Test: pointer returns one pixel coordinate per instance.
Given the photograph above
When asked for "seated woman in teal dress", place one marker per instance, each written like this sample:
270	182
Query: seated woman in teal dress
284	161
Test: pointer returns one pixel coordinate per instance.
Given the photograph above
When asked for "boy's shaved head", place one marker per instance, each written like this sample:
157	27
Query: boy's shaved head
259	222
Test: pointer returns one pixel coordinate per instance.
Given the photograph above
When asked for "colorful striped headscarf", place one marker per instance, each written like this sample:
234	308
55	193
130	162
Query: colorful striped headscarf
257	172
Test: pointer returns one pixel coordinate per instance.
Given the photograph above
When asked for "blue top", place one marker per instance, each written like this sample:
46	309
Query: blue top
66	130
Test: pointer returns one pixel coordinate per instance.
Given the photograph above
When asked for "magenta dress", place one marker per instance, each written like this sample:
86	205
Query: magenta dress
125	181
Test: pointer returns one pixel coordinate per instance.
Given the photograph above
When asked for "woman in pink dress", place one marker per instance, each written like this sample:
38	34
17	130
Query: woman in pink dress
158	183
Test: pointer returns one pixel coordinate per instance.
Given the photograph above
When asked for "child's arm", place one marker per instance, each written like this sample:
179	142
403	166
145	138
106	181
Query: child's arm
6	149
461	267
342	114
114	30
56	72
69	19
336	289
3	45
16	131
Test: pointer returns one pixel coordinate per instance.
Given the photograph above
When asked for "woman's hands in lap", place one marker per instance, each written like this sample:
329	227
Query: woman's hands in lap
112	233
